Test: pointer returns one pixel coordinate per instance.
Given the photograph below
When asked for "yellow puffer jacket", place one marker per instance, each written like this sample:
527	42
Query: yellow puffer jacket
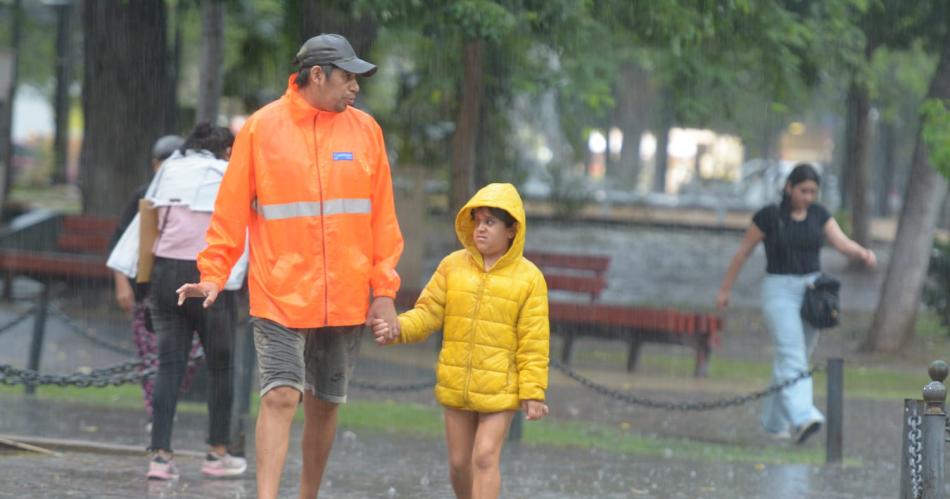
494	323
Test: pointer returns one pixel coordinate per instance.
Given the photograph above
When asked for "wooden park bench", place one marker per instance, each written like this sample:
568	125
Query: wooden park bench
585	274
51	247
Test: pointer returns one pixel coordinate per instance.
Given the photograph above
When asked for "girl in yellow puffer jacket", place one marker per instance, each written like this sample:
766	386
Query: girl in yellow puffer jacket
491	304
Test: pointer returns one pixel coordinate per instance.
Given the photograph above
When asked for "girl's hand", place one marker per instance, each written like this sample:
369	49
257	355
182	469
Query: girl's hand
534	409
383	333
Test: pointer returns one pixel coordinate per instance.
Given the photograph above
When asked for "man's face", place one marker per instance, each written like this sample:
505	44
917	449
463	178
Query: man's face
335	92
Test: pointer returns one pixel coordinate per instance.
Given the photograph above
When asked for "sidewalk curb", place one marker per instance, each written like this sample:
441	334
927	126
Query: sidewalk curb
69	445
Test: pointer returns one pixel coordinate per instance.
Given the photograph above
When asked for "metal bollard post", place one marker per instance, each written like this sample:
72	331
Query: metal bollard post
516	429
834	445
934	427
39	330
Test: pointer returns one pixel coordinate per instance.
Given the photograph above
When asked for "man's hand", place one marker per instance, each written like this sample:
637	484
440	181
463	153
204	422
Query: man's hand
384	308
204	289
534	409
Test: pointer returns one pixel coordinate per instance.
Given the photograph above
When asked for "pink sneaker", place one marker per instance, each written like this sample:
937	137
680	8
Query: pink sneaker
226	465
161	469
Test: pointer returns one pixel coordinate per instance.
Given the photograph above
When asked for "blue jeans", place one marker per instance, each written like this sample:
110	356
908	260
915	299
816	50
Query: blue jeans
795	340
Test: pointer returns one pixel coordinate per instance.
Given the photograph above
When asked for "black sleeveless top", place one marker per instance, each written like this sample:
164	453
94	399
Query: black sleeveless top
792	247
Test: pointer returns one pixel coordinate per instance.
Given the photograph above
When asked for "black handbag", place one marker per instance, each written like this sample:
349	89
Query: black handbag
820	307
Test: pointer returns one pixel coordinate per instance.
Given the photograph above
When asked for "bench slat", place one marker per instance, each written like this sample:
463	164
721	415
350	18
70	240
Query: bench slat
89	223
594	263
578	284
83	243
54	265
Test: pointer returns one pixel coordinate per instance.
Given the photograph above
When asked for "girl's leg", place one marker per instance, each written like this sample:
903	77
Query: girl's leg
486	456
460	429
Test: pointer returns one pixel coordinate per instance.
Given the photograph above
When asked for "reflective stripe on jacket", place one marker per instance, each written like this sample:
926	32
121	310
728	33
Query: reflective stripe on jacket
314	190
495	344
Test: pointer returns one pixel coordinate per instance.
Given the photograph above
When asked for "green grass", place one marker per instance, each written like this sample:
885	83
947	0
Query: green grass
417	420
859	382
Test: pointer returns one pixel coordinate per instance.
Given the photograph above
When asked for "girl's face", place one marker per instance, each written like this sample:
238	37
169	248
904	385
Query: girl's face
802	194
491	236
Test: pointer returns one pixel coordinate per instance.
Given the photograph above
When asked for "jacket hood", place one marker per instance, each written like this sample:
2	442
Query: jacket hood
504	196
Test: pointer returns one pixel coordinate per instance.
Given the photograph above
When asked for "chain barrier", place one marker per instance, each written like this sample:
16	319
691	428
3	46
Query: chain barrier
916	453
393	388
14	322
128	372
678	406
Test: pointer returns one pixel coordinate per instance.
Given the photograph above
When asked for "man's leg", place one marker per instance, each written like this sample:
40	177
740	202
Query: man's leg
280	370
330	354
318	431
272	437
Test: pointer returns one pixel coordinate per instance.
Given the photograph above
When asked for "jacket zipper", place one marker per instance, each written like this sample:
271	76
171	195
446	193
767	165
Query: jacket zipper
471	338
323	231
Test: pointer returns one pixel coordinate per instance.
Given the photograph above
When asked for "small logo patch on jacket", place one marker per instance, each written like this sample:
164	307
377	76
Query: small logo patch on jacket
342	156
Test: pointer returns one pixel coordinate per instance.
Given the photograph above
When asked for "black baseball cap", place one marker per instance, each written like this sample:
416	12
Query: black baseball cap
332	49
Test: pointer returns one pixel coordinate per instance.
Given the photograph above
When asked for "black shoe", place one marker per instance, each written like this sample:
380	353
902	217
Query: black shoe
806	430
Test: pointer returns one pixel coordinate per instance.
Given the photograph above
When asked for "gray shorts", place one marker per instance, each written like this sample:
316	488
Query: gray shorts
320	360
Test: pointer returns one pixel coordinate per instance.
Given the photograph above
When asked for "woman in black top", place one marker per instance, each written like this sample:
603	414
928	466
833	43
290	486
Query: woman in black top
793	232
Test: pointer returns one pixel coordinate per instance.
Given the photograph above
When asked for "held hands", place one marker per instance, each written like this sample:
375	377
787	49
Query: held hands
383	310
383	333
534	409
204	289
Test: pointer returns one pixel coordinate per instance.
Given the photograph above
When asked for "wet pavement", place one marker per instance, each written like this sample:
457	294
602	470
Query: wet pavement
649	266
368	464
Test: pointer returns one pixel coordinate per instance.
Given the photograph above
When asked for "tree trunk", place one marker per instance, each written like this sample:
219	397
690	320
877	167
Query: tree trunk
337	17
896	314
212	55
124	79
466	127
64	60
858	164
886	182
6	120
633	98
662	141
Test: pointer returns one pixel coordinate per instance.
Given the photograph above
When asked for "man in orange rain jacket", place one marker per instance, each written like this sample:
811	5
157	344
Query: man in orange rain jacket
309	183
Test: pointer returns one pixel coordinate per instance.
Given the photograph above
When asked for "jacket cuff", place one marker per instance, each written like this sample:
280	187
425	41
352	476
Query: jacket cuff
385	293
530	392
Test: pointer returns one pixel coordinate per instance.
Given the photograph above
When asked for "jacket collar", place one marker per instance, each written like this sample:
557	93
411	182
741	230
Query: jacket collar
300	109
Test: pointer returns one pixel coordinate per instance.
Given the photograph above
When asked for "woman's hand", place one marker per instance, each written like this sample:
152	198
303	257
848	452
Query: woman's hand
722	299
868	258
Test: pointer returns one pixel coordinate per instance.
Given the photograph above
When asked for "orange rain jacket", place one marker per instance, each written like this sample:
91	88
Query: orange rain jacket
312	189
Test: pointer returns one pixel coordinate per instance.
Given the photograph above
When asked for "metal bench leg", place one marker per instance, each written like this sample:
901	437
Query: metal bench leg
39	330
568	351
703	351
633	352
